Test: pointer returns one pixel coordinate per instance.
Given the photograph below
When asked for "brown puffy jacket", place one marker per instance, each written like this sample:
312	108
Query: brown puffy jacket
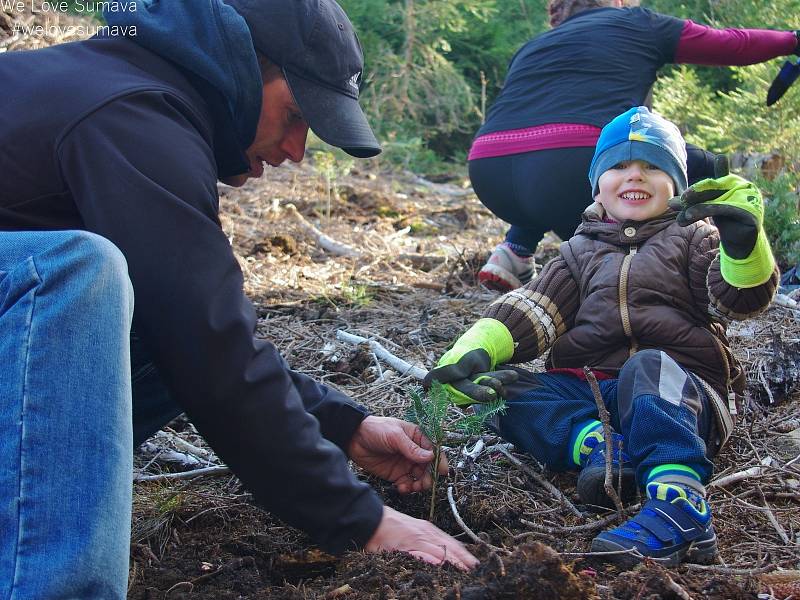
622	287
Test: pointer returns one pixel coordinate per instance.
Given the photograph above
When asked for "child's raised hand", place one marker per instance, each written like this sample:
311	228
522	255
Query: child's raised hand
734	203
737	208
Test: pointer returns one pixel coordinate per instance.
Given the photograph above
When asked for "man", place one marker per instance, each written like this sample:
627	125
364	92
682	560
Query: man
108	192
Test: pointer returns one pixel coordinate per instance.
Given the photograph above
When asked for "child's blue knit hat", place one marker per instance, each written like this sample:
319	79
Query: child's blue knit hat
639	134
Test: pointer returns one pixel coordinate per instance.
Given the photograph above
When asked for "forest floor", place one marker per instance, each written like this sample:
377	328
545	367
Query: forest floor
409	283
203	537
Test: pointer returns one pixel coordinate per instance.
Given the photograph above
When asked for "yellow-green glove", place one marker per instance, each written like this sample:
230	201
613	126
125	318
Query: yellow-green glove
467	369
737	208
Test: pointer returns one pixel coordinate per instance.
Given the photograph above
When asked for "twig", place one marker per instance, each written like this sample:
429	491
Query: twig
540	480
771	517
676	588
173	438
471	534
325	241
460	521
213	471
393	361
592	526
631	551
167	455
605	419
722	482
730	570
785	301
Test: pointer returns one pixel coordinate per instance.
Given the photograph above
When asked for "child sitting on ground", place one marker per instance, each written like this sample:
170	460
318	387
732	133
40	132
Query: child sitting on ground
639	294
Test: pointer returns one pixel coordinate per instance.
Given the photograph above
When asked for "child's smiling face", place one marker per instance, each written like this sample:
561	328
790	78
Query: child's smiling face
634	190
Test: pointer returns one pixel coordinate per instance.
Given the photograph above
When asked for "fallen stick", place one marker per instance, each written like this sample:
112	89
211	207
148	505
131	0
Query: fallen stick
170	436
465	528
730	570
773	520
460	521
785	301
605	419
325	241
213	471
169	456
397	363
556	493
593	526
676	588
741	475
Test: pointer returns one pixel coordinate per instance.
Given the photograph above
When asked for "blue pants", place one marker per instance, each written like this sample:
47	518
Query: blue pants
66	305
660	409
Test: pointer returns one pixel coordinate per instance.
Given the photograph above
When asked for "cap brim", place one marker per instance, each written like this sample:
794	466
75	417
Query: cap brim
335	118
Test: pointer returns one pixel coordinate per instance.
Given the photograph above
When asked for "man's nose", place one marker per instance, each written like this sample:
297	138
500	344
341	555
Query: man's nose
294	144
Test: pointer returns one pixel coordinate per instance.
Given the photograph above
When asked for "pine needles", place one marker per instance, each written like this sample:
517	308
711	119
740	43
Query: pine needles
430	411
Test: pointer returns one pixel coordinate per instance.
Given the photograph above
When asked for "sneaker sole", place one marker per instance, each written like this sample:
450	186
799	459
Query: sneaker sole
498	279
704	553
591	488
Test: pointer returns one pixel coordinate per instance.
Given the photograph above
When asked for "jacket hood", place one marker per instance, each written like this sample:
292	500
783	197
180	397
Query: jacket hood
210	42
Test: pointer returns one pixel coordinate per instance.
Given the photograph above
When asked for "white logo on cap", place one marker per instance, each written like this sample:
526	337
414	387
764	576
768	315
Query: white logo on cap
353	81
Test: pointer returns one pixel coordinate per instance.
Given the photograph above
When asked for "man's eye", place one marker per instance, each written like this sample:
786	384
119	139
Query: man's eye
294	117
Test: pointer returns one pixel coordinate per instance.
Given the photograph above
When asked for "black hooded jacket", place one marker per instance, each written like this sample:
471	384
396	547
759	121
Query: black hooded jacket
108	136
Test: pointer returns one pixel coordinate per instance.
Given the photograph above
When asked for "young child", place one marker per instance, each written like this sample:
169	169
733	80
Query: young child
640	294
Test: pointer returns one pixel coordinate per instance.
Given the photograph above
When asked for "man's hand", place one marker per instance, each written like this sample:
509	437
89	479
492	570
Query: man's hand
737	208
395	450
467	369
421	539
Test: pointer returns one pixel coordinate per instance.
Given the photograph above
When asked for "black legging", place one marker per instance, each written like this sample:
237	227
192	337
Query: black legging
549	189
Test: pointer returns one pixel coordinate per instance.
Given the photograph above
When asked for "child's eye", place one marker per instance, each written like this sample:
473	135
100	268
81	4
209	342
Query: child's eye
620	166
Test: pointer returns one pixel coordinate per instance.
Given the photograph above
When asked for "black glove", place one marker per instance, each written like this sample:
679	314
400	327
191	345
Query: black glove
470	380
737	208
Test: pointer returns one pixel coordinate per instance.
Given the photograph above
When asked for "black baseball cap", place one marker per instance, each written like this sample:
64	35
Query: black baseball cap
315	45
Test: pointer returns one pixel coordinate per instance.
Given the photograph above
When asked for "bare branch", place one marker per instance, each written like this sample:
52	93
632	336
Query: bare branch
541	481
741	475
393	361
212	471
605	419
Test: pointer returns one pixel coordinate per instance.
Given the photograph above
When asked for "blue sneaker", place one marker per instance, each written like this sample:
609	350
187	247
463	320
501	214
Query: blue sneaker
591	479
673	526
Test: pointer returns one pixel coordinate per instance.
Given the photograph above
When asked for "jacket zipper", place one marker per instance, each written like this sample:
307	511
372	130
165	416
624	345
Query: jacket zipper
623	300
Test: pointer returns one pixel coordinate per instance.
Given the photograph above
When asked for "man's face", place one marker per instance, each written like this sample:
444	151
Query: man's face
281	132
634	190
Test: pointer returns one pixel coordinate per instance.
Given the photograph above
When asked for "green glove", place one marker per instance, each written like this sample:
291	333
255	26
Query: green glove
467	369
738	211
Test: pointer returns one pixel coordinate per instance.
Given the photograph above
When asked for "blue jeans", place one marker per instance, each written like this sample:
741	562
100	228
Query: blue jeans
66	305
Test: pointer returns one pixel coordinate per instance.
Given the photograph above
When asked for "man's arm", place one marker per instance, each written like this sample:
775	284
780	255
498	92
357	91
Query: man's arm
143	176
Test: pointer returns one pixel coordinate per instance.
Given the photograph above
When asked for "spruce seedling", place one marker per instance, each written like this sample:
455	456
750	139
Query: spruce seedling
430	411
